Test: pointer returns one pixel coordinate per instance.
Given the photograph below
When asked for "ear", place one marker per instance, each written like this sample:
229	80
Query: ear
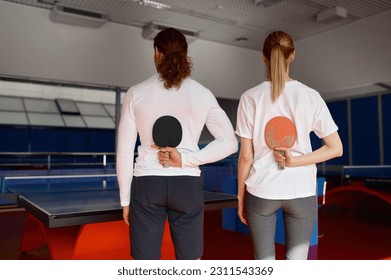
265	60
292	56
158	54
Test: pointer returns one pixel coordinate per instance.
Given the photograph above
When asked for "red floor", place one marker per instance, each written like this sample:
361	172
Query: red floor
358	233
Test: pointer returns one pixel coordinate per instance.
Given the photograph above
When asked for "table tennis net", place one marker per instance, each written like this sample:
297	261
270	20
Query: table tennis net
61	183
372	175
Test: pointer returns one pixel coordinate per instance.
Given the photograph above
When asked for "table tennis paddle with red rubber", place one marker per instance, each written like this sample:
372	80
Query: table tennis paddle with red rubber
167	132
280	132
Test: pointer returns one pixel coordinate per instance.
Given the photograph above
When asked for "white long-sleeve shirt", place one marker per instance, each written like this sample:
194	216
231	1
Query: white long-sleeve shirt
194	106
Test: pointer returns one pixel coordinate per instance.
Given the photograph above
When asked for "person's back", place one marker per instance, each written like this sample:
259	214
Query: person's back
299	103
165	181
191	104
261	185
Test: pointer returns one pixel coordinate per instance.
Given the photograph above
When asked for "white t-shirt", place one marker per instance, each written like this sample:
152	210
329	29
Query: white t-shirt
308	111
194	106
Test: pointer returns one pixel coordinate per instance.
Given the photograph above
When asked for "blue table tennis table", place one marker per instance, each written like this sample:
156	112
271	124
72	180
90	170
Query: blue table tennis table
80	217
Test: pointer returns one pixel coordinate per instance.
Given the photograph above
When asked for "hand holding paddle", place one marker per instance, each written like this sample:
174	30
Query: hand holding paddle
280	132
167	132
169	156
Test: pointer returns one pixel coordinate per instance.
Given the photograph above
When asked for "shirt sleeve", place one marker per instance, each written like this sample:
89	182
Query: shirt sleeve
323	124
245	118
126	140
224	143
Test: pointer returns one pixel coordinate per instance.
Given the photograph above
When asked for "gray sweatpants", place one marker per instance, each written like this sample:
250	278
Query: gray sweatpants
299	218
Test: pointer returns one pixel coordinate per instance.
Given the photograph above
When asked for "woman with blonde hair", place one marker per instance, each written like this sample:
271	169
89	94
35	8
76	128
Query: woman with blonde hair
262	188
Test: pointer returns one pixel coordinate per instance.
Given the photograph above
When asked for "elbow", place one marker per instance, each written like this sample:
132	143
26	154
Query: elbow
245	160
336	145
229	144
233	144
338	151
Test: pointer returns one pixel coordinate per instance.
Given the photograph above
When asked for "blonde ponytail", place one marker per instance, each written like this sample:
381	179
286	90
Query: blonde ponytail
277	49
278	67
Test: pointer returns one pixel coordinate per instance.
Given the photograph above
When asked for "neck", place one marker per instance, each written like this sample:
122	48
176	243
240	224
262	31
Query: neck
287	78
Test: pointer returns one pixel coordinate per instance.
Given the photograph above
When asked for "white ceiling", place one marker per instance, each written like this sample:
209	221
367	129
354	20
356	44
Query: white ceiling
225	21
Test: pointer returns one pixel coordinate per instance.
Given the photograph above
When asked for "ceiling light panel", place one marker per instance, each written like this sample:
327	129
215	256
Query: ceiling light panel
356	9
217	19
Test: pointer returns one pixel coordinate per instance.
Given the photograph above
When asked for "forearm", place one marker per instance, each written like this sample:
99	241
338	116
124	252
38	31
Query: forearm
244	167
216	150
223	145
331	149
124	176
126	139
320	155
245	162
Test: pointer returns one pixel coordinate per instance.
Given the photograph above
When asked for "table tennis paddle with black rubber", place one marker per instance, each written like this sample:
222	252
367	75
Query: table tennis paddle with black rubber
167	132
280	132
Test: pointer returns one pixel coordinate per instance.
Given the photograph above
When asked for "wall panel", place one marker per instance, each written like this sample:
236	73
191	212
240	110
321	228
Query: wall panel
365	131
339	111
386	120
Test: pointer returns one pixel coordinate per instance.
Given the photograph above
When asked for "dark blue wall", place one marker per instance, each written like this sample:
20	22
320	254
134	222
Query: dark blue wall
386	115
365	131
14	139
56	139
364	128
339	111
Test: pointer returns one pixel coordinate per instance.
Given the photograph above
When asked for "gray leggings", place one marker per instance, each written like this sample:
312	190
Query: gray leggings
299	218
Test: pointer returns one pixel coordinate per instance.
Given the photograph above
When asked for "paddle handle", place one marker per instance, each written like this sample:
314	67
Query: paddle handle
281	164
